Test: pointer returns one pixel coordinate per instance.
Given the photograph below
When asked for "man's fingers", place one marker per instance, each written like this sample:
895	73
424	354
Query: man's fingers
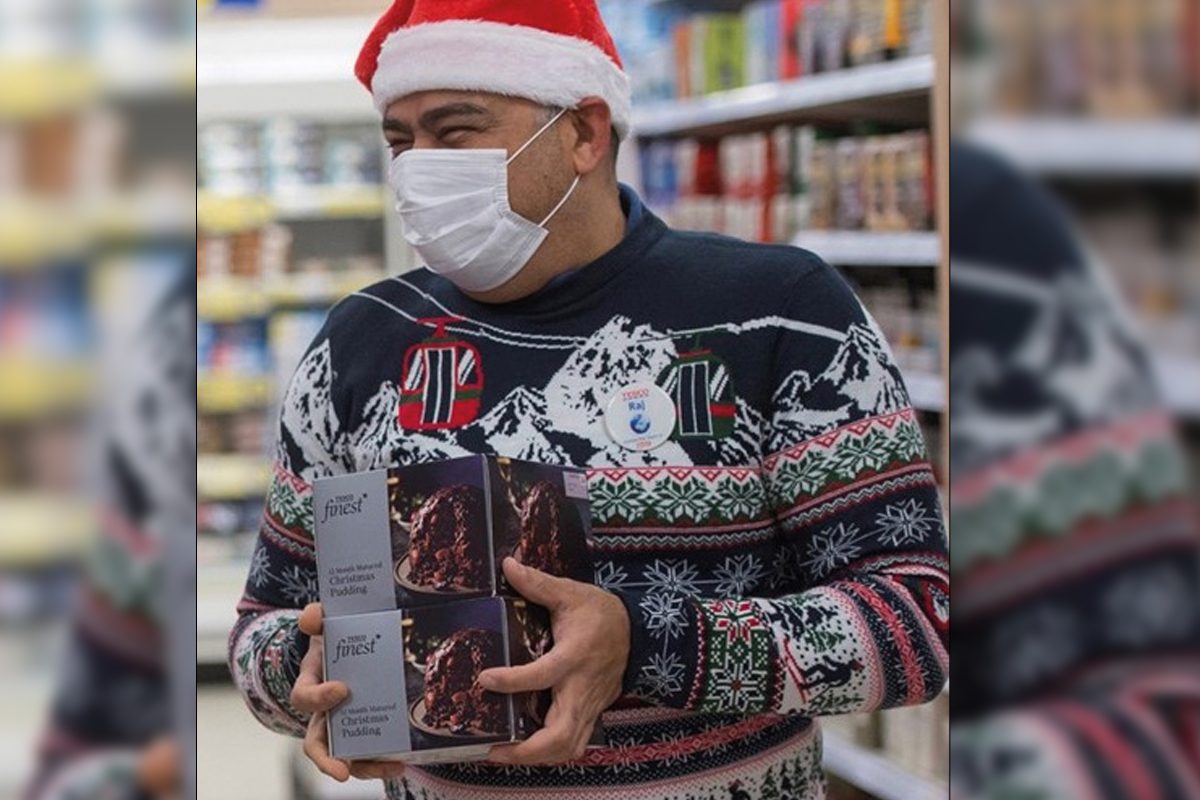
312	621
317	750
535	585
370	770
541	674
550	745
309	695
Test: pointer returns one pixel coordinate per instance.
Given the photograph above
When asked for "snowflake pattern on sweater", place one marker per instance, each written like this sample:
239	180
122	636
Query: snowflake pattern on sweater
782	556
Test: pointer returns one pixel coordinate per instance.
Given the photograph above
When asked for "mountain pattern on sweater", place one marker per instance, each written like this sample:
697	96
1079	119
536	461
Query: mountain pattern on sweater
782	556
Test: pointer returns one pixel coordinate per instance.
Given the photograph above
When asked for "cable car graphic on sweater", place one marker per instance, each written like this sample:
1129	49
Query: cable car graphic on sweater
442	381
705	404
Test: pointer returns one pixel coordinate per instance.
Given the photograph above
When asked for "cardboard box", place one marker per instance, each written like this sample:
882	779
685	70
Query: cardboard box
413	678
723	64
436	533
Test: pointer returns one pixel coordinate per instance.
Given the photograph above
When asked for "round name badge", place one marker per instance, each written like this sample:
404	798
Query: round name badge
640	416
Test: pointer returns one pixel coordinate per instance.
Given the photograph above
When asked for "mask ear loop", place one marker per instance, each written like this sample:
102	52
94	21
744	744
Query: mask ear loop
561	203
533	138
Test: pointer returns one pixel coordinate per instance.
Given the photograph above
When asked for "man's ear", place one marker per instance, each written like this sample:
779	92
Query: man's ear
592	144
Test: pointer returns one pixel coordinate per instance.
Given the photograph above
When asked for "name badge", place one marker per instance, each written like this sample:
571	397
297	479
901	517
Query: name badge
640	416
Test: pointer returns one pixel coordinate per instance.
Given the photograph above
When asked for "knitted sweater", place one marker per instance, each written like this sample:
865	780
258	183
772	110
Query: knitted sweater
1077	549
781	557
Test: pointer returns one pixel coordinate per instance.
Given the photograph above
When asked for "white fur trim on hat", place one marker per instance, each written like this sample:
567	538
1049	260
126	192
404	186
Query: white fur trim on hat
474	55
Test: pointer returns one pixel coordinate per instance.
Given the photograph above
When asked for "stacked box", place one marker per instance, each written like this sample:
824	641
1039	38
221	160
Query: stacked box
717	52
416	604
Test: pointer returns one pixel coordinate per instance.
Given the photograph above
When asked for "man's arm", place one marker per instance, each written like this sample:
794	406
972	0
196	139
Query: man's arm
266	645
860	620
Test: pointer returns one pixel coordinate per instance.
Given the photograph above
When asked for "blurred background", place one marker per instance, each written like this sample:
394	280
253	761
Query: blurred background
805	122
96	267
1075	398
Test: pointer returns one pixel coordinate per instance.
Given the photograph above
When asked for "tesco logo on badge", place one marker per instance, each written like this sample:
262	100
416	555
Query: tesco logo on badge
635	394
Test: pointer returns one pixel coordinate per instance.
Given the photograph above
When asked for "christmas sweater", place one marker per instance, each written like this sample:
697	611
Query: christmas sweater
782	556
1077	550
117	689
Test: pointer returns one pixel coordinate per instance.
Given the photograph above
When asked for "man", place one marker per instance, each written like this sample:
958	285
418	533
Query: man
1077	630
762	507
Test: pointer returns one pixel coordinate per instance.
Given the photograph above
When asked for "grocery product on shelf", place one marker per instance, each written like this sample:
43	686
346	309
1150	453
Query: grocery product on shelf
675	51
769	186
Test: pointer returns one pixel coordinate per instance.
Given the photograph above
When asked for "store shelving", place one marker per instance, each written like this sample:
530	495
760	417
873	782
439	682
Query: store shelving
38	387
871	249
1089	148
231	476
874	773
257	69
27	517
871	91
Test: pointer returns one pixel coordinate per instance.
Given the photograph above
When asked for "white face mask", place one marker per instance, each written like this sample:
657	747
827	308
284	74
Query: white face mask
454	211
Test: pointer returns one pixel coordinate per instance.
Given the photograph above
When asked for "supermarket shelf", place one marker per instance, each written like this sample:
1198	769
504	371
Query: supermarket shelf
870	249
331	203
231	298
35	388
874	773
218	393
125	75
865	92
1103	149
319	288
233	214
218	214
226	299
256	69
33	232
231	476
927	391
42	529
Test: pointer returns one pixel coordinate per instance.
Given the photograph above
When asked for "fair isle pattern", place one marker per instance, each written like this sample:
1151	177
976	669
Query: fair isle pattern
289	501
1098	474
910	477
790	770
742	672
843	456
696	497
264	671
263	661
792	568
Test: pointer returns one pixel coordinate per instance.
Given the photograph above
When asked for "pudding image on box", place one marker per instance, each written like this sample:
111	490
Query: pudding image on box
413	678
438	532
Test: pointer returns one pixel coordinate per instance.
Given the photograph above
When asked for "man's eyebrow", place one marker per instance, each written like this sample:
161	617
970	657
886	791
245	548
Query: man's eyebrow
433	116
395	125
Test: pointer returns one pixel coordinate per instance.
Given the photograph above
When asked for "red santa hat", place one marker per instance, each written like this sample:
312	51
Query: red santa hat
554	52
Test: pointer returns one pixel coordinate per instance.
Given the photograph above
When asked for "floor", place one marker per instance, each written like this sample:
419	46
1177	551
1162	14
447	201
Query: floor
238	759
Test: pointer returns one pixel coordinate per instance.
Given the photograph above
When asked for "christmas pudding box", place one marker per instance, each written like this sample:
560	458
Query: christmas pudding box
435	533
413	678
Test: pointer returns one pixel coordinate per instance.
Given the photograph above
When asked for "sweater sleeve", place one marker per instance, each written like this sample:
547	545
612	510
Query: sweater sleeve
265	645
858	618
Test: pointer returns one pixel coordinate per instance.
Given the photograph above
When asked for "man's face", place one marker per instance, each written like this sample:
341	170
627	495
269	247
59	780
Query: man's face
474	120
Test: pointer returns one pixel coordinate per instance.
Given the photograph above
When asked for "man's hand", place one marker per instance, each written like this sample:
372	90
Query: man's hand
584	668
158	768
313	695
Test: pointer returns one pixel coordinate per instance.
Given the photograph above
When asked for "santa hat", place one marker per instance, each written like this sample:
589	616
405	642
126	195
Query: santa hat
554	52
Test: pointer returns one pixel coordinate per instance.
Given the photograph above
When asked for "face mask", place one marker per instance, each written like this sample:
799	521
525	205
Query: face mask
454	211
